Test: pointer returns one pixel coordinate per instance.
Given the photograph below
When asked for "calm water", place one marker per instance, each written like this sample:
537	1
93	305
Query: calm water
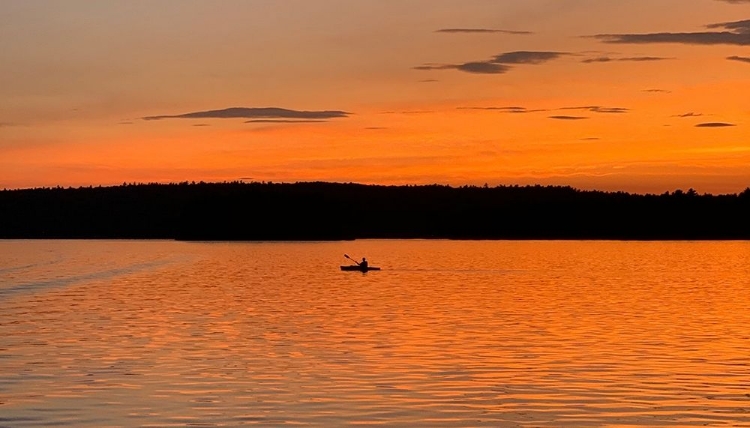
537	334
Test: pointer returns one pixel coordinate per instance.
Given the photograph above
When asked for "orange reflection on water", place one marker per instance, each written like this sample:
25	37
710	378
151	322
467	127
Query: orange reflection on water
449	333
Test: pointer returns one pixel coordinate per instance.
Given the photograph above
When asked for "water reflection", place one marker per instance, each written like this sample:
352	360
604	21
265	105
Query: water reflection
448	334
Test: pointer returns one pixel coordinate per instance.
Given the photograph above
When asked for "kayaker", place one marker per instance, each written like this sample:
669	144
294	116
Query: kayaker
363	265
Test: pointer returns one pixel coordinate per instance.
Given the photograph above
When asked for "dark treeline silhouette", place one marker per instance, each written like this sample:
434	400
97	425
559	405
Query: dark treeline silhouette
332	211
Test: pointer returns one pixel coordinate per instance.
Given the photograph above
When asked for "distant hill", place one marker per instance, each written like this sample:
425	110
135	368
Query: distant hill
333	211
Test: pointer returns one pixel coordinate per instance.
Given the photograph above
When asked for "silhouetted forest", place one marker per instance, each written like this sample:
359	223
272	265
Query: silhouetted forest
332	211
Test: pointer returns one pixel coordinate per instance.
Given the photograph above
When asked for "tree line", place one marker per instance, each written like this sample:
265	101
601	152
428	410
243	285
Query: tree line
336	211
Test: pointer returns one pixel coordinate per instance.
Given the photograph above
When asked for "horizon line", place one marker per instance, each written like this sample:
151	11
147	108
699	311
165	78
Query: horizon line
353	183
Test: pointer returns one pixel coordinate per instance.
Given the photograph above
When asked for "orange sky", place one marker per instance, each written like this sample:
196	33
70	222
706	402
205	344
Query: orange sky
635	95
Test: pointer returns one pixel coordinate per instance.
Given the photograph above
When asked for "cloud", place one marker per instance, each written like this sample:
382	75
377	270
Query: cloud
714	125
432	66
598	59
691	114
498	64
526	57
255	113
481	31
483	67
476	67
568	117
283	121
644	58
736	1
609	110
739	58
409	112
657	91
518	109
629	59
599	109
733	33
512	109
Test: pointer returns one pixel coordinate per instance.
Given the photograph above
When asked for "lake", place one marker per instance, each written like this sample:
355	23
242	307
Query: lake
448	334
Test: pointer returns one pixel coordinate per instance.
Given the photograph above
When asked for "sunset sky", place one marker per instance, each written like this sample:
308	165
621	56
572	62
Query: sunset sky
634	95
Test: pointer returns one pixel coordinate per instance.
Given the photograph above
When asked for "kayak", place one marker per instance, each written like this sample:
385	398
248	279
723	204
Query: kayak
358	268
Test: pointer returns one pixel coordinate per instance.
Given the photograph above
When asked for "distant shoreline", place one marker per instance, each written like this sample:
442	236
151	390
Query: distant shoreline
312	241
342	212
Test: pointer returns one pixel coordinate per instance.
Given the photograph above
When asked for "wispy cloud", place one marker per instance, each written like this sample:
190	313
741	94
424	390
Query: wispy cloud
284	121
481	31
483	67
562	117
739	58
433	66
409	112
599	109
732	33
714	125
519	109
526	57
511	109
657	91
477	67
499	64
598	59
255	113
691	114
601	59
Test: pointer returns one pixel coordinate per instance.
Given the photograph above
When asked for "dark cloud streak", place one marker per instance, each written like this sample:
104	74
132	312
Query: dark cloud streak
526	57
255	113
483	68
284	121
735	33
519	110
562	117
714	125
499	64
739	58
629	59
599	109
511	109
432	66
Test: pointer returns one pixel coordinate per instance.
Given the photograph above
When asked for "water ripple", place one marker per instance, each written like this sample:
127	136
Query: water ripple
500	334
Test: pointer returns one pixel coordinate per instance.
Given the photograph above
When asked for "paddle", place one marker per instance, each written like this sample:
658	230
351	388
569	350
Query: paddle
347	256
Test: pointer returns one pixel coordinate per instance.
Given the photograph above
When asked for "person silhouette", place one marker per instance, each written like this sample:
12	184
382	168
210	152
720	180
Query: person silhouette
363	265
